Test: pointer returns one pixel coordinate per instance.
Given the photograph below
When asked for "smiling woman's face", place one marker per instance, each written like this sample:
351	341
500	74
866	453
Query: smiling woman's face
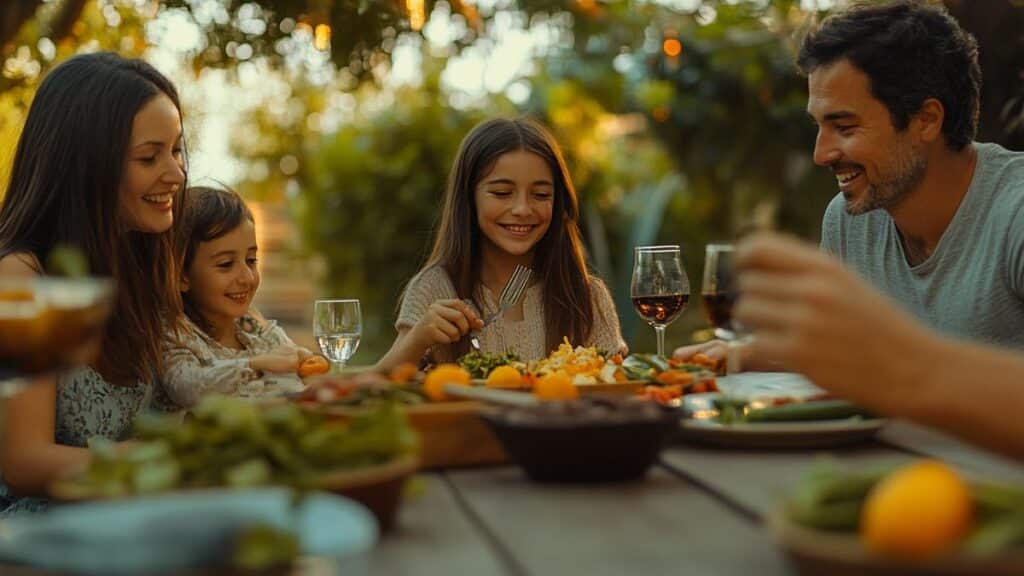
154	169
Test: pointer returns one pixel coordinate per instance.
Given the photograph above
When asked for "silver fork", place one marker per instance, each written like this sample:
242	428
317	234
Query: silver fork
510	295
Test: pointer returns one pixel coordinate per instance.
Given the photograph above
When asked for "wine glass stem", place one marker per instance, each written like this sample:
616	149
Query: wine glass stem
660	331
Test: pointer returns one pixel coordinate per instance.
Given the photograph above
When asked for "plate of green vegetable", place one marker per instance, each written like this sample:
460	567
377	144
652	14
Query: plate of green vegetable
780	422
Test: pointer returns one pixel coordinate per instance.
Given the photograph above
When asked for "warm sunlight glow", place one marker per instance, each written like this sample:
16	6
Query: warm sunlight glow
417	14
322	37
672	47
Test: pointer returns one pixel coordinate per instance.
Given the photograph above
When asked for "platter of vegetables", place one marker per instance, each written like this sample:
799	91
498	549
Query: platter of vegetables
231	443
776	422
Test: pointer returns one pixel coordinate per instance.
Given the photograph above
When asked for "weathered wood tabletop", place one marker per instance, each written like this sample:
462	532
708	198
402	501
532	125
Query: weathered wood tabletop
700	511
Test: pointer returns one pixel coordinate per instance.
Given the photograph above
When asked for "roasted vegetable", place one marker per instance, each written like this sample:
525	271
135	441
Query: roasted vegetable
831	499
740	410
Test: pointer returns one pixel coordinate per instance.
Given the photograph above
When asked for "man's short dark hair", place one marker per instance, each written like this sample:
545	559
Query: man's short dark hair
910	51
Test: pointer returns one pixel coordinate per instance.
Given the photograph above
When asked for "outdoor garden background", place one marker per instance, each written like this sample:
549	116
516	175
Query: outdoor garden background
338	120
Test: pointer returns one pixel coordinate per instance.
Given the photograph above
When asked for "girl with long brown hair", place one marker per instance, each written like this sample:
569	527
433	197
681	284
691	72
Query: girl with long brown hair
100	166
509	202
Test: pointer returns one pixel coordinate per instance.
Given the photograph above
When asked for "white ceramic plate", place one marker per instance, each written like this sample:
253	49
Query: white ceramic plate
765	386
809	434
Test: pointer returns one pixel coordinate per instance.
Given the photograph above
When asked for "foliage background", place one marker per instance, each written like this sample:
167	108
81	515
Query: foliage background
681	119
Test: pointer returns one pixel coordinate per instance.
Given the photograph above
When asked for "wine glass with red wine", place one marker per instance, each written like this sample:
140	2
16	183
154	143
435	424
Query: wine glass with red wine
720	292
719	289
660	288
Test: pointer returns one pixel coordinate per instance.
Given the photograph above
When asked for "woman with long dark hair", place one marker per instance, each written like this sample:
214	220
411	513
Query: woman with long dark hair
100	166
510	201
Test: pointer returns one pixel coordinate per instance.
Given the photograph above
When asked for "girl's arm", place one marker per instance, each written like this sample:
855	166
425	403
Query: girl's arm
445	322
30	456
187	378
430	315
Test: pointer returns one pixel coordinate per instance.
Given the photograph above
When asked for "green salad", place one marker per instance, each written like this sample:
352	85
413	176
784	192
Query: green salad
232	442
479	364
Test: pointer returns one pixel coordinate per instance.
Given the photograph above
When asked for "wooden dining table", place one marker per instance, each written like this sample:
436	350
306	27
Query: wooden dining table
700	510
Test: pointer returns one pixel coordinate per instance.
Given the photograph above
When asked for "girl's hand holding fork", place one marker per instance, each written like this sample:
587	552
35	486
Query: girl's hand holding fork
445	322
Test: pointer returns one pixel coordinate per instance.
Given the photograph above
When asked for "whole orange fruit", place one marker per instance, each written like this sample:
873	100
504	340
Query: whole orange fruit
504	377
315	364
917	512
555	386
433	384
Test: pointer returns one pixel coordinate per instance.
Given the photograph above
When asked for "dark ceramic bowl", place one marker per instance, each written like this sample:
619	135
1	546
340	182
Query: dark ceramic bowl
594	439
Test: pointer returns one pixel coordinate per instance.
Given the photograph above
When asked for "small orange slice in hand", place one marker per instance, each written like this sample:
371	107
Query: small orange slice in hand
315	364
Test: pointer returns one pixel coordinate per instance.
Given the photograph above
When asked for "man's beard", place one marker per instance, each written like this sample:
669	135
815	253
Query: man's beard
909	170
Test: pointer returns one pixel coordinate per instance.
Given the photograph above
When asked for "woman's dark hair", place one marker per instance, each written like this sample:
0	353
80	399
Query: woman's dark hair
64	189
209	214
559	257
911	51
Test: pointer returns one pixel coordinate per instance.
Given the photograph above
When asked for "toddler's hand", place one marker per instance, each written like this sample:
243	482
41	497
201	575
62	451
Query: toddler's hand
446	321
282	360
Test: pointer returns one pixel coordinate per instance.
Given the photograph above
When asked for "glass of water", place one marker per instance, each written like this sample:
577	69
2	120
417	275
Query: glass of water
337	327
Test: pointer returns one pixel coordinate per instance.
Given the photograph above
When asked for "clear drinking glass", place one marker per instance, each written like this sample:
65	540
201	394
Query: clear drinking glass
660	289
337	327
719	293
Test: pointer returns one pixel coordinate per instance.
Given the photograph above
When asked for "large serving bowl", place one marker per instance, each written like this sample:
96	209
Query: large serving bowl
594	439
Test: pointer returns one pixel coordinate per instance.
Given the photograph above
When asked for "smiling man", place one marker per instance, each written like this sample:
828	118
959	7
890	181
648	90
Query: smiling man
926	214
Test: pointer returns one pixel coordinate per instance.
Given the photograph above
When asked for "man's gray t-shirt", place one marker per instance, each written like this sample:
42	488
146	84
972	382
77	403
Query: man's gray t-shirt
972	286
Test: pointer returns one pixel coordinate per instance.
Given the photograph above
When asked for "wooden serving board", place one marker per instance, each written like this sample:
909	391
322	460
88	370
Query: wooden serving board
452	434
627	387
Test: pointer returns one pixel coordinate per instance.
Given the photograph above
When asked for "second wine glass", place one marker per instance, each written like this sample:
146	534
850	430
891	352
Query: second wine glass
720	293
660	288
337	327
719	289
